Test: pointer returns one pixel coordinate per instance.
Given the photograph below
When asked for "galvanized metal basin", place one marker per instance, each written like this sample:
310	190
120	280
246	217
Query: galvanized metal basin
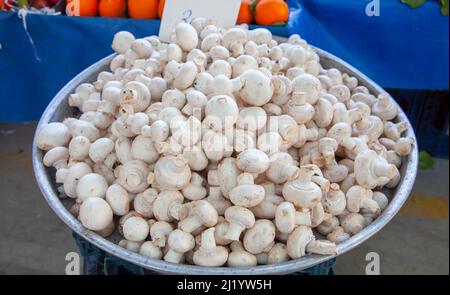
58	109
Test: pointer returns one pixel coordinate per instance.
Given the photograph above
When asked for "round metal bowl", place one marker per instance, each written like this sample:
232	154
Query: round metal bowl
58	109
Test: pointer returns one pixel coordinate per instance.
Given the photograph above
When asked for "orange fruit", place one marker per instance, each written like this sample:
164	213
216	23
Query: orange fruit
143	8
269	12
245	13
82	7
112	8
161	8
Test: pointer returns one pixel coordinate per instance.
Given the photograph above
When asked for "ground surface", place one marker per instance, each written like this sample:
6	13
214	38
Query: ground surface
34	241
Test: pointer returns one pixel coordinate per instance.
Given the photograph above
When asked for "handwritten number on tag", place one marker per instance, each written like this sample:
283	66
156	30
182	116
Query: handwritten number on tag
187	15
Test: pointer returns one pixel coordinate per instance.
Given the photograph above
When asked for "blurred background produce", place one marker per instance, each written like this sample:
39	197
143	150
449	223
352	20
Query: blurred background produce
260	12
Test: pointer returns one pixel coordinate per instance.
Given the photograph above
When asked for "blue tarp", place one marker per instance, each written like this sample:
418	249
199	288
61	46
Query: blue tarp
401	48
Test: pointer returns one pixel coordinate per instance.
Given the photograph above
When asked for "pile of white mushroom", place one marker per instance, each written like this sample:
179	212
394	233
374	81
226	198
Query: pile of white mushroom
225	148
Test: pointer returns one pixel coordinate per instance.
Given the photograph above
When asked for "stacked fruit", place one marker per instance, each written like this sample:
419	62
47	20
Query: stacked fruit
261	12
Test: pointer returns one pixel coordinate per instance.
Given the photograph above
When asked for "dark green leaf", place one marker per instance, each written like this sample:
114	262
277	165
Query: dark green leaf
413	3
279	24
252	6
444	7
425	160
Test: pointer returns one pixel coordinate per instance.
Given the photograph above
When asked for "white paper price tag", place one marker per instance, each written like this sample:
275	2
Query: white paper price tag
176	11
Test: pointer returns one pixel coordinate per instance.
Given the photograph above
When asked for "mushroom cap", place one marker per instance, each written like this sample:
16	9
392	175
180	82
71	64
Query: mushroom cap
338	235
100	148
339	131
228	173
136	94
243	63
241	259
91	185
220	67
258	88
259	237
162	203
95	214
309	85
214	258
135	229
269	142
247	195
352	223
240	215
372	170
281	168
251	118
143	202
79	148
381	199
286	126
117	197
160	227
233	36
205	212
186	132
52	135
122	41
267	208
172	173
55	155
150	250
223	107
186	36
186	76
285	217
374	128
277	254
142	148
74	173
384	108
214	144
302	194
298	240
133	176
322	247
253	161
181	242
355	197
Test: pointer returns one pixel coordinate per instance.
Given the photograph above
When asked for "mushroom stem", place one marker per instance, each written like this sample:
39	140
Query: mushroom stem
290	172
208	240
159	239
299	98
321	247
322	182
245	178
306	173
178	211
383	101
364	123
383	169
191	223
173	256
303	218
234	231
